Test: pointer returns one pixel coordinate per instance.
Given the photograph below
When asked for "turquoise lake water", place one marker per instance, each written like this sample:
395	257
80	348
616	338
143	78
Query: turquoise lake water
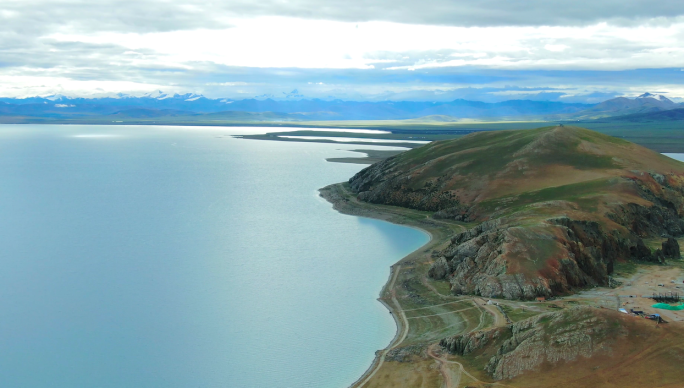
679	157
181	257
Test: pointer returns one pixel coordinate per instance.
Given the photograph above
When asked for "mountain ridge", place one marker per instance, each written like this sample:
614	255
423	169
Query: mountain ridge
311	109
620	106
331	110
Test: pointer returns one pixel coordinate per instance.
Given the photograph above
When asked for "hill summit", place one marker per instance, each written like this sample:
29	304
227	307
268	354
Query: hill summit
550	209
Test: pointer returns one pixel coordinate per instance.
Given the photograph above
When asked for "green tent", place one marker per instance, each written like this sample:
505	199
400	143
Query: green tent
666	306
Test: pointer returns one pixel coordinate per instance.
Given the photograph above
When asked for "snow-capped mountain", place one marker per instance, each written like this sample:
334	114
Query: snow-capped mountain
193	97
657	97
123	95
620	106
264	97
110	103
56	97
162	104
159	95
293	94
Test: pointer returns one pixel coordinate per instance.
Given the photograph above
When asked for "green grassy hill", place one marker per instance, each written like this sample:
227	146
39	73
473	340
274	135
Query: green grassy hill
552	209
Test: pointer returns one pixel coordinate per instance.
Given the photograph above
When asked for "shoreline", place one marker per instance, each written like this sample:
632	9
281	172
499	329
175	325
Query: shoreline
345	202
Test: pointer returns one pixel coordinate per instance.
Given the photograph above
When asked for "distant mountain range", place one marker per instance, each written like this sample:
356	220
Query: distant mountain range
620	106
664	115
195	107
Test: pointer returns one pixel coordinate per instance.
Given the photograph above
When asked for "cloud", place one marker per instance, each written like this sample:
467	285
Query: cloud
297	43
371	49
33	16
226	83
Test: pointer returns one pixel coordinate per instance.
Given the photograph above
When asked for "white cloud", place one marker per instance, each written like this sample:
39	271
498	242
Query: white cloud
164	15
22	86
556	47
195	46
226	83
302	43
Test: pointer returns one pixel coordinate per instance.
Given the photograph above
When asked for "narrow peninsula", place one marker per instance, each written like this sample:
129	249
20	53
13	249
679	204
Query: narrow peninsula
548	248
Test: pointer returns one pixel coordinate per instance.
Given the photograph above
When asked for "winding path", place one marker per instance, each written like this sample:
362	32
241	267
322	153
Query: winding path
449	383
499	319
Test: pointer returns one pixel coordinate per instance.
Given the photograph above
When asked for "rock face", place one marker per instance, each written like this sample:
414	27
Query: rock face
671	248
547	338
579	254
396	190
556	207
502	260
645	221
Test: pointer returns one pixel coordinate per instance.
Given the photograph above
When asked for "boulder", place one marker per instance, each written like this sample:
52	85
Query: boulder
671	248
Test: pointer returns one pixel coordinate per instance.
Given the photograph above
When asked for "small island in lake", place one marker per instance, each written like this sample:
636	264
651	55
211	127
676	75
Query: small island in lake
549	248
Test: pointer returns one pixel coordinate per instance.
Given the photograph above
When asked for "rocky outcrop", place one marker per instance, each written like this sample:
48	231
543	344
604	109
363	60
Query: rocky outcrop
439	269
478	263
457	213
656	220
497	260
671	249
398	191
406	353
548	338
391	187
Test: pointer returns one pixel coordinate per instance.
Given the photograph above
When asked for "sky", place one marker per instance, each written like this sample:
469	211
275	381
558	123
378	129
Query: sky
372	50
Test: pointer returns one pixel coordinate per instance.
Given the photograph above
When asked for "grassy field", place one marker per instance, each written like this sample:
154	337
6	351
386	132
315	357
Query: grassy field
662	136
659	136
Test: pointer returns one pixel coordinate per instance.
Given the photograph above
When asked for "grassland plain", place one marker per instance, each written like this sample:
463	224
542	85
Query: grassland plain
623	350
659	135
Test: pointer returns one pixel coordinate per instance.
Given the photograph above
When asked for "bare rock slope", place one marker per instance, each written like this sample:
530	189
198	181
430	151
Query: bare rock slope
550	338
580	347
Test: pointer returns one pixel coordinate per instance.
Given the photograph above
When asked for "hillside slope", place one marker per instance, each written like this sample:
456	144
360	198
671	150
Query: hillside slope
553	208
666	115
578	347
